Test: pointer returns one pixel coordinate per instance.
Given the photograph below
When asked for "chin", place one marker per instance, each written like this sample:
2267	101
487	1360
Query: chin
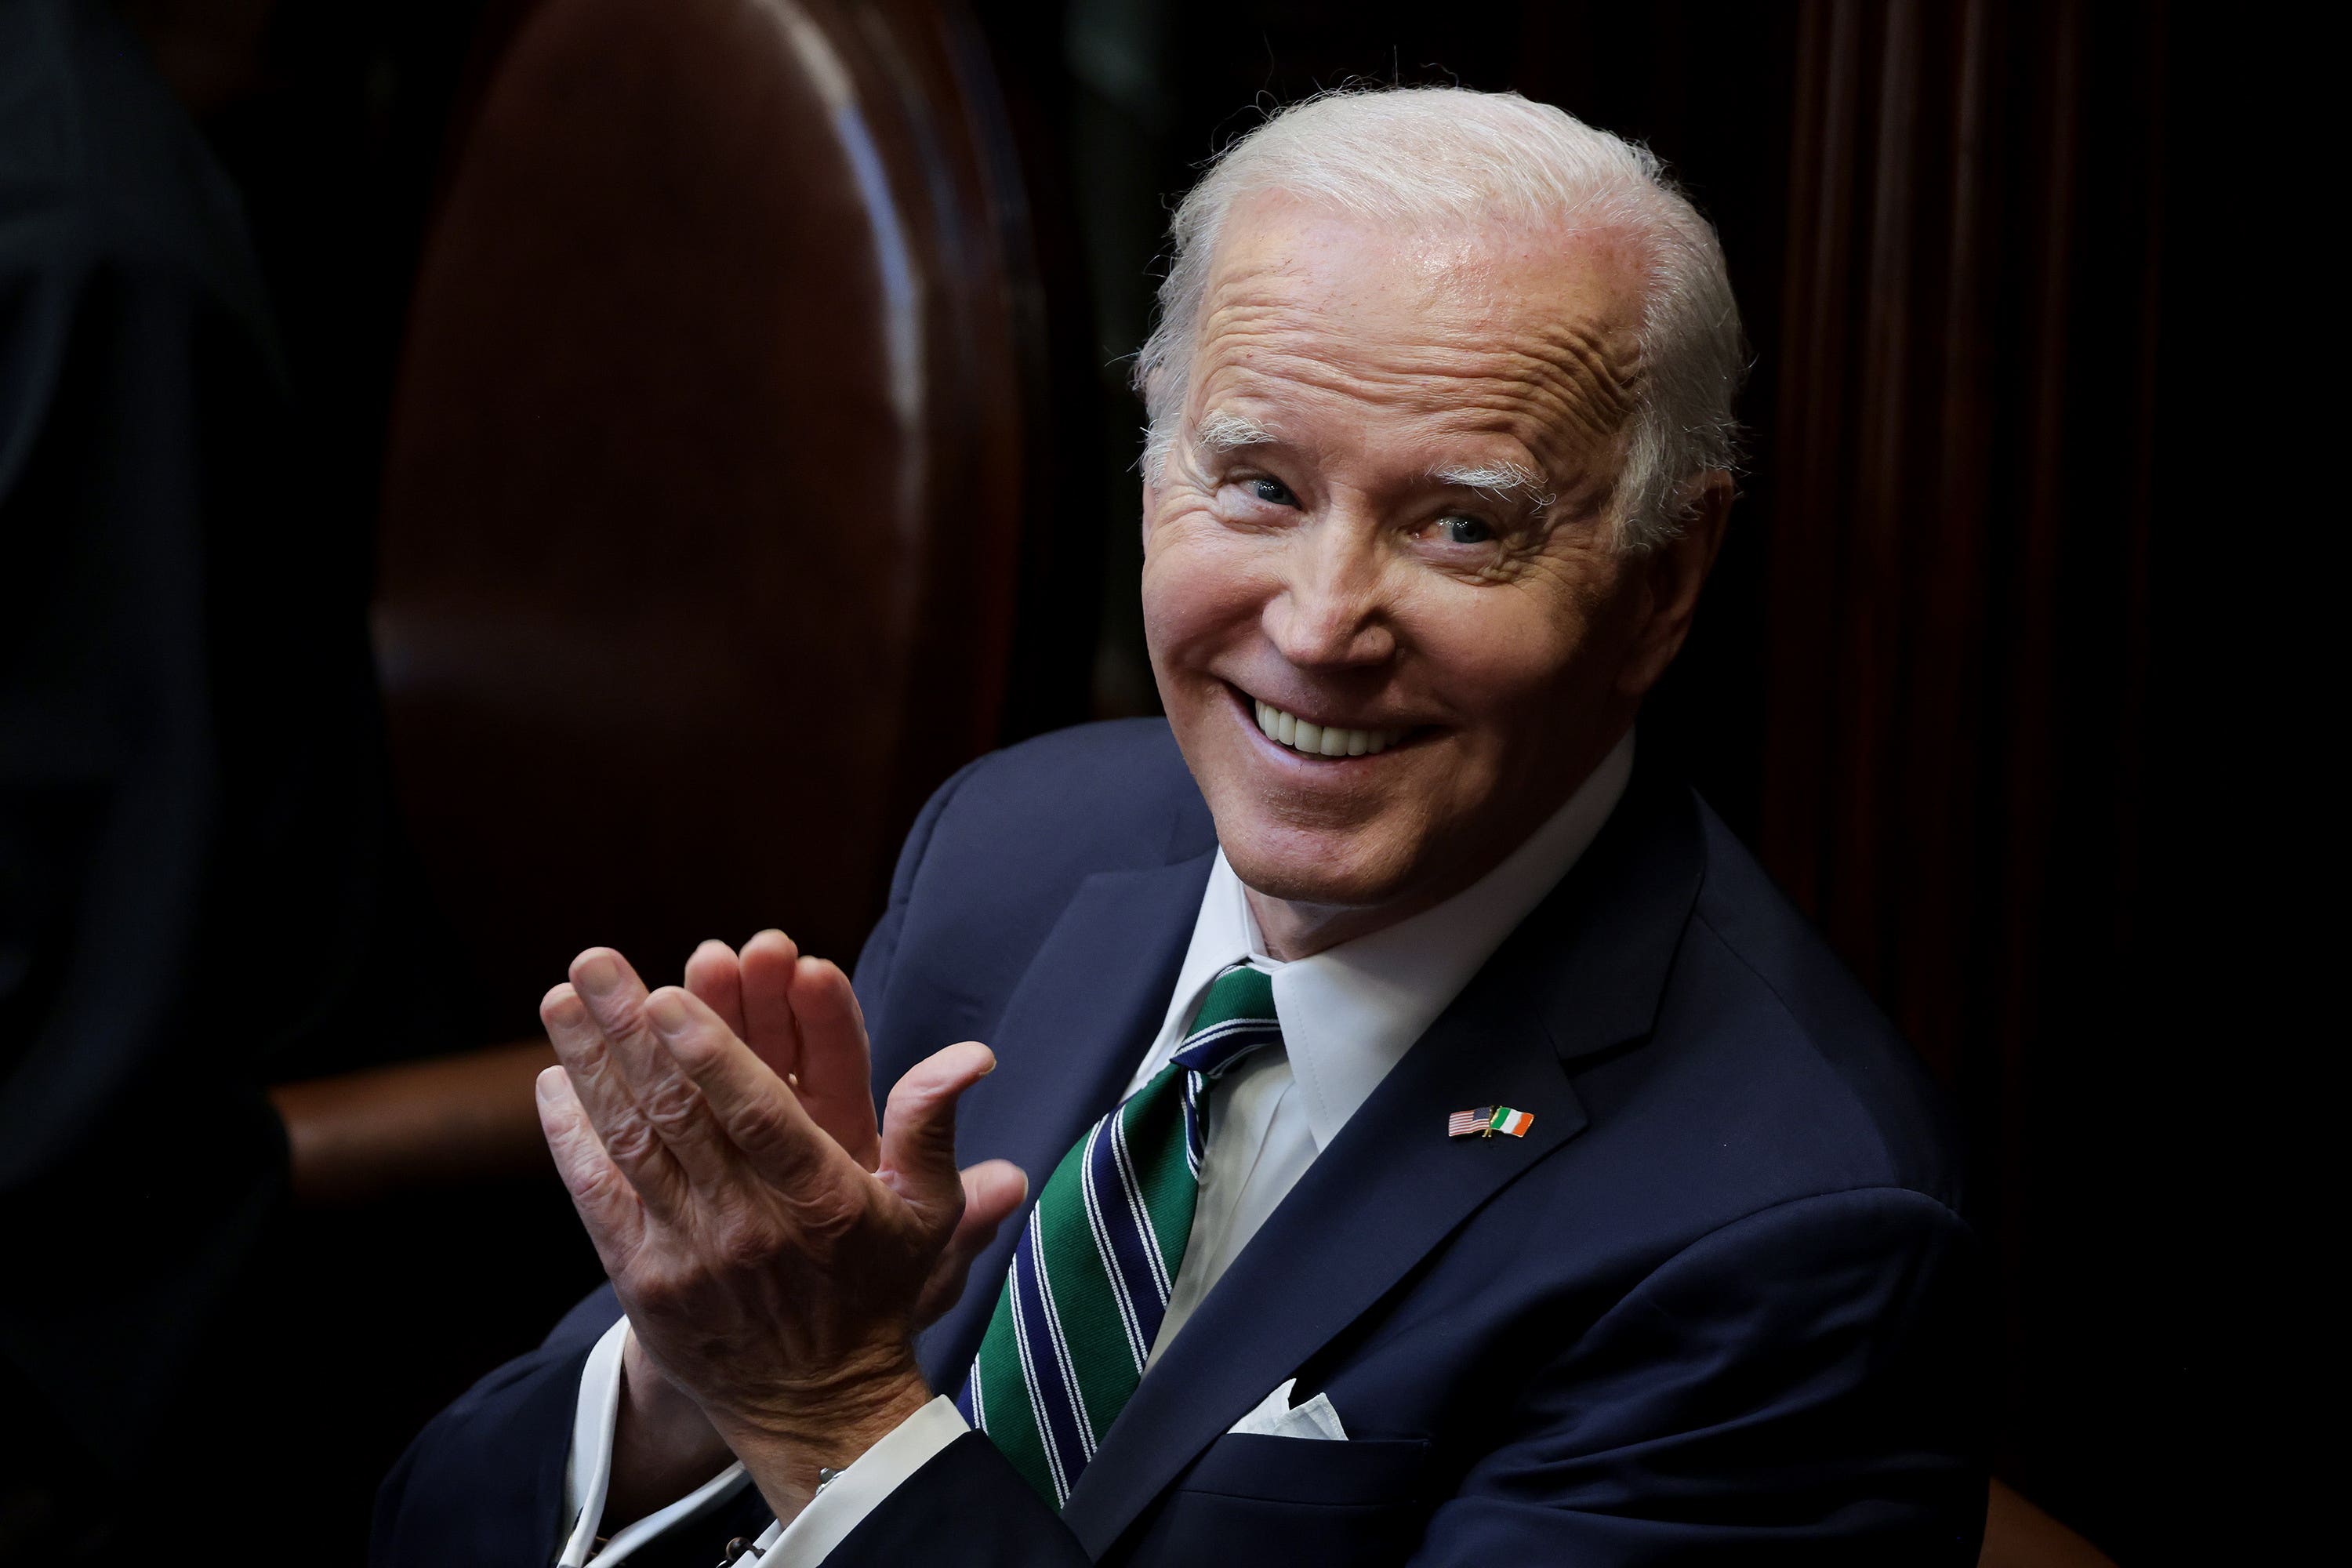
1305	866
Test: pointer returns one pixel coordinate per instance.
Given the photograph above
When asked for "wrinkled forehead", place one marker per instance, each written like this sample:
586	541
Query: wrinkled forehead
1517	334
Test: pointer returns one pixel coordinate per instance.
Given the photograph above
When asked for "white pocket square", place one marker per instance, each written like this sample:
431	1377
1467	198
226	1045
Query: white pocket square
1275	1416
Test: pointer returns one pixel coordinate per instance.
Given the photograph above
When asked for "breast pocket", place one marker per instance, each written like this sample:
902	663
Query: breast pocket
1292	1499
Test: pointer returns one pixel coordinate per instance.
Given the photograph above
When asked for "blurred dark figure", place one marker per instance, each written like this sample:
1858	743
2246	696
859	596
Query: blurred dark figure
191	809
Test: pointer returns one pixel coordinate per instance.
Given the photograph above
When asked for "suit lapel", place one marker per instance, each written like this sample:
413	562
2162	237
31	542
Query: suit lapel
1073	1033
1583	973
1387	1190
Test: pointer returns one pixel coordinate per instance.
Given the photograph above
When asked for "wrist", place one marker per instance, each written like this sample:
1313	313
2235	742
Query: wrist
825	1428
660	1412
663	1445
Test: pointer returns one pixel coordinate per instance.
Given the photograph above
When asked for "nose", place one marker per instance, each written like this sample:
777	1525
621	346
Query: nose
1332	613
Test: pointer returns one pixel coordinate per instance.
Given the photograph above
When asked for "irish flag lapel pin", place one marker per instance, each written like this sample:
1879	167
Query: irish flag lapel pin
1488	1119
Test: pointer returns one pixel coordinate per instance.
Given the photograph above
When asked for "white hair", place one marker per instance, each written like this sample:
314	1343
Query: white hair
1450	154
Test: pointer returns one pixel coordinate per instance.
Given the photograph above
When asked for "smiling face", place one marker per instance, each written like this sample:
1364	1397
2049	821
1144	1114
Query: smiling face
1383	533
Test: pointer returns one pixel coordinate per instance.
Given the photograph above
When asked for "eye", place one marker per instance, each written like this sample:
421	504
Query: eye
1274	492
1460	530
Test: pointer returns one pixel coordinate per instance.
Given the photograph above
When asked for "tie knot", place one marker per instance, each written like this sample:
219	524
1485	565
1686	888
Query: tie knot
1235	1018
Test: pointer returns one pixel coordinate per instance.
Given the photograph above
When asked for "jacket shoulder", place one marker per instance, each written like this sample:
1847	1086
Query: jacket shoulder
1826	1057
996	859
1067	804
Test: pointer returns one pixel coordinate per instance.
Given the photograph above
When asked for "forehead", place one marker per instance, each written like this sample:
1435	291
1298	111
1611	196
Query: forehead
1497	336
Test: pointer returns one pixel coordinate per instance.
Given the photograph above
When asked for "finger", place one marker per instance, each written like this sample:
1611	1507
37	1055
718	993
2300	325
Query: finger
609	1207
671	1105
993	1191
918	1130
836	1077
715	974
759	1114
774	1033
612	1113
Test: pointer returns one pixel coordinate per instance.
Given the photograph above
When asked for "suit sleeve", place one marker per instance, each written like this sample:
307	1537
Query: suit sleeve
1803	1386
968	1508
483	1483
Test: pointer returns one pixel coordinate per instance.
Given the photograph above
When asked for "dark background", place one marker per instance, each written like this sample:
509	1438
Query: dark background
1957	679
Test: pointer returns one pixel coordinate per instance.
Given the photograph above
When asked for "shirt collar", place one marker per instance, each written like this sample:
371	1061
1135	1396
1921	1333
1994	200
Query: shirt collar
1350	1012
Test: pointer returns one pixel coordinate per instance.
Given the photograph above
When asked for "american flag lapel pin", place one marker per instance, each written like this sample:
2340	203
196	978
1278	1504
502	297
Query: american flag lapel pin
1488	1119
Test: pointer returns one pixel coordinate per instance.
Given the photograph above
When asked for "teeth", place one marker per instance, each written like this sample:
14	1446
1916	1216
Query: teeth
1323	740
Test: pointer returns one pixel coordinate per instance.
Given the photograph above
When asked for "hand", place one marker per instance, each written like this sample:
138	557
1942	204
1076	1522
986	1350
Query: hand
774	1249
771	997
663	1445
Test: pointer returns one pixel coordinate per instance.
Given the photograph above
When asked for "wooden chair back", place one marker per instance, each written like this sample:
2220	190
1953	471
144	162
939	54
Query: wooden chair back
704	488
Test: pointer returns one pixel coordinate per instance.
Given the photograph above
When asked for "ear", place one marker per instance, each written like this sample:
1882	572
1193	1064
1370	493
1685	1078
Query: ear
1672	575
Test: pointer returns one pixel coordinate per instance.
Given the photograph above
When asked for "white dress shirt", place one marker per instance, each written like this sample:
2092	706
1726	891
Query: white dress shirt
1348	1014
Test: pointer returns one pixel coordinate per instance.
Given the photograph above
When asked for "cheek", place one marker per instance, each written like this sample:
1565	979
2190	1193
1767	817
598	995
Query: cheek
1499	655
1200	588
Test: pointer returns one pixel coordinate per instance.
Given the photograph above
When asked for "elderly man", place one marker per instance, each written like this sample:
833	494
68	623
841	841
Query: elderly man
1448	1147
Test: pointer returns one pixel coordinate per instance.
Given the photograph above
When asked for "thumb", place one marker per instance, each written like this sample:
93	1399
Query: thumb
993	1191
918	1130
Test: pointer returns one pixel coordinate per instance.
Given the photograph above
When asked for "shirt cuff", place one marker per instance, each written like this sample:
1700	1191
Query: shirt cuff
845	1500
588	1470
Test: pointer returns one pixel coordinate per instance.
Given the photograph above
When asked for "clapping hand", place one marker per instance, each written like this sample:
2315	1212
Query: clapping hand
774	1248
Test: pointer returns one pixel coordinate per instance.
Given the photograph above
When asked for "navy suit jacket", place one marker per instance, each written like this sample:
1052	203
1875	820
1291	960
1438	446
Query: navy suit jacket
1718	1305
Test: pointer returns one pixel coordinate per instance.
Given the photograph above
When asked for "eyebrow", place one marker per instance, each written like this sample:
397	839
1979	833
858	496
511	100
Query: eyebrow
1505	482
1230	433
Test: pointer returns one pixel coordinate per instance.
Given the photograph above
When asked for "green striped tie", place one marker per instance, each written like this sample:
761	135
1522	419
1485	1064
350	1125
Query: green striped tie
1089	1283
